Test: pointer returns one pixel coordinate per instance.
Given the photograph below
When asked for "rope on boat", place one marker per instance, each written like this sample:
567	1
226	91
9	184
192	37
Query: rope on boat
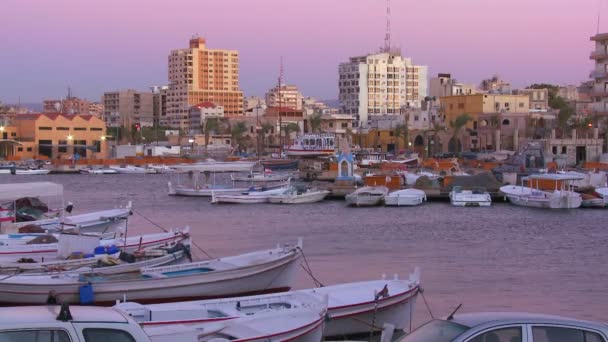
421	291
166	231
308	270
371	331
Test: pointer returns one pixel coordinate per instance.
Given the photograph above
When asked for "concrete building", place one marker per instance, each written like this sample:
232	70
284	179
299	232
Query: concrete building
568	92
339	124
126	108
539	98
253	105
445	85
159	105
381	83
198	74
56	135
600	73
495	85
453	106
287	96
96	109
70	105
200	113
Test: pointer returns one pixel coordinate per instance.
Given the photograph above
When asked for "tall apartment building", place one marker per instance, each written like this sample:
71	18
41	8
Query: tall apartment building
445	85
600	74
198	74
381	83
159	105
286	96
126	108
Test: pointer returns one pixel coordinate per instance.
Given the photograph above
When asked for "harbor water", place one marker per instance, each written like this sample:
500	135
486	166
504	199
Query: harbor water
489	259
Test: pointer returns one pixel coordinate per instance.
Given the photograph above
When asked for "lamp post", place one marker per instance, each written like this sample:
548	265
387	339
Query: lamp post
2	135
191	141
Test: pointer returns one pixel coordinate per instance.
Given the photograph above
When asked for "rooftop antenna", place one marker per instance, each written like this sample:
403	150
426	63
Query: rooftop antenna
280	118
599	10
387	37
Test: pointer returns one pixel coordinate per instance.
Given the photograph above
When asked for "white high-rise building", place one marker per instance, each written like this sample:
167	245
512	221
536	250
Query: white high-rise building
382	83
288	97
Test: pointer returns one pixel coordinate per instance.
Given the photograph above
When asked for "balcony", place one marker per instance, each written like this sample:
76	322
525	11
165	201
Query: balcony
598	55
598	74
599	93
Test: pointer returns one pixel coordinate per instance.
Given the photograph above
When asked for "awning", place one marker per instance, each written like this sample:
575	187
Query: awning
9	142
14	191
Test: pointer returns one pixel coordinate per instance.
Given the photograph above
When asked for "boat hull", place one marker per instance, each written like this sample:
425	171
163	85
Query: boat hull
408	197
299	199
308	153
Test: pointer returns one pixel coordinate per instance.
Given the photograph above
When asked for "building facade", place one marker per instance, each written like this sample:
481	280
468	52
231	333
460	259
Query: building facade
126	108
70	105
198	74
474	105
382	83
159	105
445	85
600	74
202	112
287	96
539	98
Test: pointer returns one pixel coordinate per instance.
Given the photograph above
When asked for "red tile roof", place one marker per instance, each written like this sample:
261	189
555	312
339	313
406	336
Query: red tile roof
53	116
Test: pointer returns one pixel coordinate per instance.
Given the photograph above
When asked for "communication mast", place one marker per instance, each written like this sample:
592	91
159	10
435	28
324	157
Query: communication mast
387	36
280	118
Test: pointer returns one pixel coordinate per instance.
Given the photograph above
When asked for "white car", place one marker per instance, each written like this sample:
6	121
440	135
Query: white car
508	327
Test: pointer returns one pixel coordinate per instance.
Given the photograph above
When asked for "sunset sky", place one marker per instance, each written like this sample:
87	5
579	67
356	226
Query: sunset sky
102	45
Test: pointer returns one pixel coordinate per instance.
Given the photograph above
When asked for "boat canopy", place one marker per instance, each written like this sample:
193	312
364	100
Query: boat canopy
14	191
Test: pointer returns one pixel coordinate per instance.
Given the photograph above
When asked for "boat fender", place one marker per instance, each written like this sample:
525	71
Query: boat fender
87	295
52	298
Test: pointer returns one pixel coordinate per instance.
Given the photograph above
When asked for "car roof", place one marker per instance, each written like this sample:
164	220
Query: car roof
479	318
45	314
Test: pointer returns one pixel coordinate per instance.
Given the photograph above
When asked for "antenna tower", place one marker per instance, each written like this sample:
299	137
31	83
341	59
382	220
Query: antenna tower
387	37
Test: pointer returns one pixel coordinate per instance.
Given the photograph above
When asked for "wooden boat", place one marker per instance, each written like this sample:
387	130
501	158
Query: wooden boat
352	308
470	198
561	198
405	197
264	271
297	196
49	247
294	324
132	169
367	196
32	171
216	166
250	197
280	164
260	177
592	201
100	171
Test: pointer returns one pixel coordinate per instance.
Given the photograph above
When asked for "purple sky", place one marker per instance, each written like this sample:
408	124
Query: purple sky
97	46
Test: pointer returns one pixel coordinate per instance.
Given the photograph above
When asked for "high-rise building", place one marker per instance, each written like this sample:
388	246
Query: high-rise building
600	73
286	96
126	108
198	74
381	83
159	105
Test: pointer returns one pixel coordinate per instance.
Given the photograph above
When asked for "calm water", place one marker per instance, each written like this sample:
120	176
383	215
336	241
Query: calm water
498	258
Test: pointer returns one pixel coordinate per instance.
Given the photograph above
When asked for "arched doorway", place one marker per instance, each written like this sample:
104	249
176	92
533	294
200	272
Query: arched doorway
419	145
452	145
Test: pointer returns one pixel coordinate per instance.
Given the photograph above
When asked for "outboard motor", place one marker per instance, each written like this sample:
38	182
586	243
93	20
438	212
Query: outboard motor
69	207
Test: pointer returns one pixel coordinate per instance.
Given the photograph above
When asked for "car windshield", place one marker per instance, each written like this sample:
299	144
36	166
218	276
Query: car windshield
436	330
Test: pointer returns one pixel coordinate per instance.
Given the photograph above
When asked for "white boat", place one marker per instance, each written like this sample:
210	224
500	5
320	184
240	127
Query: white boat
210	189
54	216
98	171
603	192
161	168
129	169
264	271
250	197
32	171
470	198
293	324
312	145
260	177
216	166
405	197
367	196
49	247
561	198
352	308
294	195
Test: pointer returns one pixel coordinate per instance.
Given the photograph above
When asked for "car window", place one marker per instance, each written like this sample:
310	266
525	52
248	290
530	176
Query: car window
436	330
511	334
560	334
34	336
105	335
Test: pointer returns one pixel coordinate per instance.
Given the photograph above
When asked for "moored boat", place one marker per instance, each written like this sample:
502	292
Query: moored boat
98	171
560	198
476	197
603	192
129	169
312	145
367	196
260	177
264	271
280	164
405	197
298	196
250	197
592	201
32	171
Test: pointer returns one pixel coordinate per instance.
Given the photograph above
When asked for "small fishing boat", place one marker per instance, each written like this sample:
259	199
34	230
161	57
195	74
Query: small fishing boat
477	197
217	166
99	171
603	192
129	169
280	164
592	201
264	177
258	272
352	308
161	168
312	145
367	196
250	197
32	171
561	198
293	324
294	195
405	197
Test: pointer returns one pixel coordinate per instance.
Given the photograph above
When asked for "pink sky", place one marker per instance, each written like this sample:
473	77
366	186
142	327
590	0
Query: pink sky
97	46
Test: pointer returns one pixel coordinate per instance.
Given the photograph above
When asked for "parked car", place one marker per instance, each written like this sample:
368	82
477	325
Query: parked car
508	327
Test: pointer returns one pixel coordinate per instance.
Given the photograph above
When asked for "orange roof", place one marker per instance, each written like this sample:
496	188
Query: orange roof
53	116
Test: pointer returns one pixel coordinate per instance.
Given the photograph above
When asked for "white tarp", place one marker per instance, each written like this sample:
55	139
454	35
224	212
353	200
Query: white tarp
14	191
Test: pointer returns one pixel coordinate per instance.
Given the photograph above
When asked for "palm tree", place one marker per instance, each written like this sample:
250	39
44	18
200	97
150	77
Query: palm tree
264	131
289	128
403	131
315	123
210	125
237	132
457	125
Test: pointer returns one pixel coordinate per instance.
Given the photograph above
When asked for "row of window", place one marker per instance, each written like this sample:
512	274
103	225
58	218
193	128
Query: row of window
47	128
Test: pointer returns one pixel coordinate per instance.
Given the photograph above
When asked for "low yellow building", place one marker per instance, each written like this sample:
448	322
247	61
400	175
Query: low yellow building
475	104
54	136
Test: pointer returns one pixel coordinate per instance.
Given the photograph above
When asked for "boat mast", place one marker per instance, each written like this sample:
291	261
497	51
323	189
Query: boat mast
280	103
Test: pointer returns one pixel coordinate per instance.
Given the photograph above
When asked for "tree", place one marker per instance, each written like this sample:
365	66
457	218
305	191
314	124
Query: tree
433	133
265	131
402	131
289	128
315	123
237	132
210	125
457	125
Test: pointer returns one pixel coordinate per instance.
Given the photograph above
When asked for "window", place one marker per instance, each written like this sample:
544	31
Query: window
345	125
511	334
29	149
62	128
20	149
63	146
103	335
564	149
558	334
44	128
554	149
505	122
35	336
521	105
80	128
461	106
96	129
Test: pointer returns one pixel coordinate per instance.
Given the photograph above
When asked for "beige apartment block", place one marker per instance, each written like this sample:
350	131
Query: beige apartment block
126	108
199	74
287	96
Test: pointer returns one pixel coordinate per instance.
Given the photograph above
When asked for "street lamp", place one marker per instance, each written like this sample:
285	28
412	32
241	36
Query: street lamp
191	141
70	137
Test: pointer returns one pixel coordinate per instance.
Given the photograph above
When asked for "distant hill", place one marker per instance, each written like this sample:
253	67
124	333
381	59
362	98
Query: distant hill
333	103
